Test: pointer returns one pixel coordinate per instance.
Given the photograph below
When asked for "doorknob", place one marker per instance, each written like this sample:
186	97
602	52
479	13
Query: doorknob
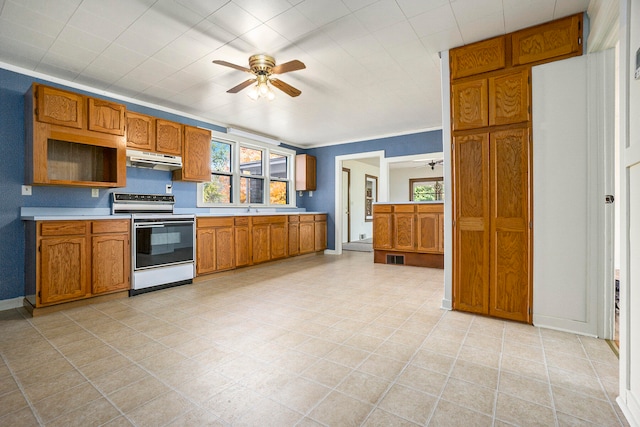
608	199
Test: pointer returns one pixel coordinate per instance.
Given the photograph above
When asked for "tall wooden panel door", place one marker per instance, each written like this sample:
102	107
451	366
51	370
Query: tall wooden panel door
510	233
471	223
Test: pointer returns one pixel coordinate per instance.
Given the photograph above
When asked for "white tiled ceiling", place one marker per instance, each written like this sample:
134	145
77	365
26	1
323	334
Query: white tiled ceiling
372	65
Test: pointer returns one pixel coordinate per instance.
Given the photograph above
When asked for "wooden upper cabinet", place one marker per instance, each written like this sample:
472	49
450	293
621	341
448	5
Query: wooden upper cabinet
559	38
141	131
469	104
196	157
59	107
476	58
509	98
168	137
305	172
106	117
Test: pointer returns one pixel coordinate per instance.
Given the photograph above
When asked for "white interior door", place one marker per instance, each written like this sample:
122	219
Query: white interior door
573	140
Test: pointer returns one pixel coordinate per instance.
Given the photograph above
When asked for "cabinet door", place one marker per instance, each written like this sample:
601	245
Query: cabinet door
469	104
404	231
64	267
59	107
168	137
260	244
242	254
320	235
106	117
307	237
224	245
510	233
428	232
294	236
205	244
110	260
509	98
196	159
382	229
541	43
305	172
141	131
441	233
278	240
487	55
471	223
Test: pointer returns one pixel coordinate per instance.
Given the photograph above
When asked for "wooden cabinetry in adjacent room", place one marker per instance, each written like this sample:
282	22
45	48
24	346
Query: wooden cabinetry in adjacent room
73	260
410	233
196	155
215	244
73	140
491	173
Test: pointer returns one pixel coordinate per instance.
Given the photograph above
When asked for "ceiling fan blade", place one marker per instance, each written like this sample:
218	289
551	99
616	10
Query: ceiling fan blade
241	86
229	64
288	66
286	88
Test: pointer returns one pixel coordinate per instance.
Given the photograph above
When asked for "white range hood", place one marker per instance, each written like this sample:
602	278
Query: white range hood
145	159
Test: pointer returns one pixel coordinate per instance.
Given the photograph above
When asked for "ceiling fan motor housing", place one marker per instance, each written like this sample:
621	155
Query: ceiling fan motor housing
262	64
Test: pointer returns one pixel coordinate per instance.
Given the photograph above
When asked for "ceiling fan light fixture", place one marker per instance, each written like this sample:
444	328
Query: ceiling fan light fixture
254	93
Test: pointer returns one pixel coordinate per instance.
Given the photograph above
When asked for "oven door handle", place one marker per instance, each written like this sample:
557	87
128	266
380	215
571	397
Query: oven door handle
149	225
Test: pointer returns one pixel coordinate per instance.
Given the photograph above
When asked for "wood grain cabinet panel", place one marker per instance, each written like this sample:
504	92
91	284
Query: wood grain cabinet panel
242	239
110	261
260	243
382	227
470	104
294	235
141	131
59	107
224	248
196	159
205	243
106	117
404	231
320	233
510	233
278	240
168	137
471	219
307	237
487	55
542	43
509	98
215	244
428	232
63	269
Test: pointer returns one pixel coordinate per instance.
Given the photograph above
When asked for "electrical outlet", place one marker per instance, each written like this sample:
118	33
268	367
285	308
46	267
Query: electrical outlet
168	189
95	192
26	190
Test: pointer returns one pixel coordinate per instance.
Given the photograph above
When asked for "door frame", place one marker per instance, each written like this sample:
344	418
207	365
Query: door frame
348	171
383	183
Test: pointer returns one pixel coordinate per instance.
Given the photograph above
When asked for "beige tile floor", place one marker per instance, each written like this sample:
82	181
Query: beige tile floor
310	341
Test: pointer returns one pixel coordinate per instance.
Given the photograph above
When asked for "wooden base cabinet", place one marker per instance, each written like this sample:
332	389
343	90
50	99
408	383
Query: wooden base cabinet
214	245
409	233
72	260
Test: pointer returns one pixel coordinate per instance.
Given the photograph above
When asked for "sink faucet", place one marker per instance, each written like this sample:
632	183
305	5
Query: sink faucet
249	208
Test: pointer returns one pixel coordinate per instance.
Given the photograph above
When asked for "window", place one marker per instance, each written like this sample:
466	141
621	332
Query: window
219	190
244	172
426	189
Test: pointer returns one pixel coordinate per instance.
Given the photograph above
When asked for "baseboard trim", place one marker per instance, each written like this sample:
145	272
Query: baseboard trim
8	304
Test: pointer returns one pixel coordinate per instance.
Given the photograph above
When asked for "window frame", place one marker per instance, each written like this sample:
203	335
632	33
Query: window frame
267	149
413	181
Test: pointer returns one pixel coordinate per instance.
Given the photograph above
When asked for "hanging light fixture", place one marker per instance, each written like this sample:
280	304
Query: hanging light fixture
262	89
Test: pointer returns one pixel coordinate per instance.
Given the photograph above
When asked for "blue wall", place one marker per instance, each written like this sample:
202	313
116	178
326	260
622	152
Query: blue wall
323	199
12	88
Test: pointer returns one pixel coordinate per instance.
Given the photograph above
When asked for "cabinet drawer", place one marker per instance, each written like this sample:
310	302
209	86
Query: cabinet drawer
110	226
382	208
436	207
321	217
404	208
268	219
243	220
215	222
62	228
307	218
294	218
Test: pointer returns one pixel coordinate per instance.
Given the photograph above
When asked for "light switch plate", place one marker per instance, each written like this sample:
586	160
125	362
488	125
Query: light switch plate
168	189
26	190
95	192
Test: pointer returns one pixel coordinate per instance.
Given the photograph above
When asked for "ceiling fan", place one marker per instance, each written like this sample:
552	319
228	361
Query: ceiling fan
433	163
264	67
